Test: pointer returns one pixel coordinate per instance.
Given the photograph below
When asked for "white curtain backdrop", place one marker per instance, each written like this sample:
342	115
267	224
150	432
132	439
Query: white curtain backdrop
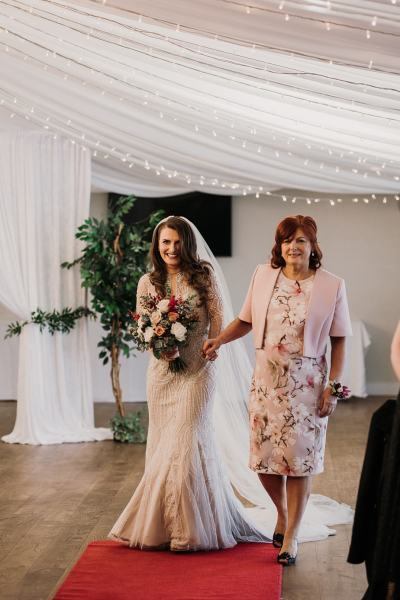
44	196
218	95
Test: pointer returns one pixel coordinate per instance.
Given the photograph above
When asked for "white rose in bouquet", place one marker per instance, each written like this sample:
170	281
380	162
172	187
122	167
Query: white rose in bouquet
179	331
148	334
163	305
155	317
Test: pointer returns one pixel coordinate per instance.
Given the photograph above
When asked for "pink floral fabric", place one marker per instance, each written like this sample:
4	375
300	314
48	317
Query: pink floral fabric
287	435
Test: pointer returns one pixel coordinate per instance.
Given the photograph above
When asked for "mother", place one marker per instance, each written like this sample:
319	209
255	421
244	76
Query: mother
293	307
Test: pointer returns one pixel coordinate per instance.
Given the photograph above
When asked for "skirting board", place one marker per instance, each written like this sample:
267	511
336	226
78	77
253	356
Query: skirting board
383	388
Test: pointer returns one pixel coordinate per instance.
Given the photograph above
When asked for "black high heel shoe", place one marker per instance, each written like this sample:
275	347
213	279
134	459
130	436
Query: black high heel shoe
277	540
286	559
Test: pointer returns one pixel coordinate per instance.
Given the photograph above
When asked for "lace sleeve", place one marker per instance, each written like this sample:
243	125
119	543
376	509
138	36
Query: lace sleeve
215	308
142	290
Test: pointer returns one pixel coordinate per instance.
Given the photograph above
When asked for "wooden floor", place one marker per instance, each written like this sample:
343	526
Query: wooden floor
56	499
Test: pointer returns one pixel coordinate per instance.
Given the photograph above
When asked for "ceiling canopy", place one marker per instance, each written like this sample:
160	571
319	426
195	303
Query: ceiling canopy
216	95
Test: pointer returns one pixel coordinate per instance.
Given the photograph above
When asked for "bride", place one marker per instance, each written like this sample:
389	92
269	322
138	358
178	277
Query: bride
185	500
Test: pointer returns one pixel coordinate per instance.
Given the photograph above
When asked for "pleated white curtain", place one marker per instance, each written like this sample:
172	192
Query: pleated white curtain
44	196
221	96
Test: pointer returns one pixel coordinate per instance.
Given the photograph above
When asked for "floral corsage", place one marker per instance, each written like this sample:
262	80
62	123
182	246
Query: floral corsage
341	392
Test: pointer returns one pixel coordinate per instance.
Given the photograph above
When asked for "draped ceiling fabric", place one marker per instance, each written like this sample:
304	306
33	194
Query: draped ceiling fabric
218	95
44	196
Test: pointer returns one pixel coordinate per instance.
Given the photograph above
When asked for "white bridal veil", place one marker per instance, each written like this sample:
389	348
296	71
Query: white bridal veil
233	375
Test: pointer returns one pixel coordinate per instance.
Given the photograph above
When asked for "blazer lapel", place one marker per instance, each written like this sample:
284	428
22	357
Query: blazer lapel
265	285
320	304
322	294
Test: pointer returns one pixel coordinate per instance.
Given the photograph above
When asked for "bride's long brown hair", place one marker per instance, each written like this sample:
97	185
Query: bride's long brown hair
196	271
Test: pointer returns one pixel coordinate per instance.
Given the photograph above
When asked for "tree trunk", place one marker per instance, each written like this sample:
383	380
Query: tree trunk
116	331
115	368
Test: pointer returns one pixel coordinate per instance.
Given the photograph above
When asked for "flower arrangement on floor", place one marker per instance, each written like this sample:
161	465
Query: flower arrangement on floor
163	327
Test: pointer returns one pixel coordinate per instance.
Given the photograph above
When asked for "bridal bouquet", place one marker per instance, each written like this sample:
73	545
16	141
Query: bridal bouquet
163	327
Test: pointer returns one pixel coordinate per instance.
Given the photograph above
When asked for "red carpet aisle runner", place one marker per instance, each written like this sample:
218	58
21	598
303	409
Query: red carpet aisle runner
111	571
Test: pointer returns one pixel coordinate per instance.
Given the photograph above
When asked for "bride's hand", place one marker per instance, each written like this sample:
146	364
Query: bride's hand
210	348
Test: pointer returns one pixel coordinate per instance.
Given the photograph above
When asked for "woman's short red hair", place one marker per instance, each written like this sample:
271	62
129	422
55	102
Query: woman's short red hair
286	230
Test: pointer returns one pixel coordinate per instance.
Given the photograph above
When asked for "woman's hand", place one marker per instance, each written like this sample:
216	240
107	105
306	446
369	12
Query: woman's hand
210	348
327	403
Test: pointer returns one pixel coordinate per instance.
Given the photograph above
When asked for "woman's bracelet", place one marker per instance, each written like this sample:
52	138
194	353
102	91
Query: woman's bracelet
341	392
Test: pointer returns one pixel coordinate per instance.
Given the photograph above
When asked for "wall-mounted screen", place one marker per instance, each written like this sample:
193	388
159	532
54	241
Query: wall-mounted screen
212	215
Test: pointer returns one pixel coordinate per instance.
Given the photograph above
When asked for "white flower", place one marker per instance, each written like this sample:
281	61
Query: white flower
179	331
277	451
163	305
297	463
148	334
274	337
300	412
297	428
155	317
273	430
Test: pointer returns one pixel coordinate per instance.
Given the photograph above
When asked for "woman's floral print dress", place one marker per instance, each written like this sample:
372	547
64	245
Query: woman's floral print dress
287	435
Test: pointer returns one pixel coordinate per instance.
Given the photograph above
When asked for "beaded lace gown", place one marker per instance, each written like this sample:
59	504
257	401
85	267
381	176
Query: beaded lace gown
185	500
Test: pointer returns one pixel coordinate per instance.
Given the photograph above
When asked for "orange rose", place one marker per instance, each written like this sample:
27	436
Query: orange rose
173	316
159	330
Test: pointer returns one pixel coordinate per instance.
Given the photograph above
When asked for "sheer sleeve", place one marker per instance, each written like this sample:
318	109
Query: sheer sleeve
142	290
215	308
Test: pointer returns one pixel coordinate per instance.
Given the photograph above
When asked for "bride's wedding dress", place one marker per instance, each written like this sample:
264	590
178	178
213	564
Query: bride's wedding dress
185	500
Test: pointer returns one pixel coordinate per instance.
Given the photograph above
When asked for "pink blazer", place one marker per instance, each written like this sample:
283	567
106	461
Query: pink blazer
327	313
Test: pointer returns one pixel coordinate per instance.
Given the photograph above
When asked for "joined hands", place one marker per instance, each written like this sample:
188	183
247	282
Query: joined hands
210	347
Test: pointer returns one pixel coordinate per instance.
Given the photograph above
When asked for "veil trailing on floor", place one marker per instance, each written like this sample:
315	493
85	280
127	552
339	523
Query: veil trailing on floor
233	377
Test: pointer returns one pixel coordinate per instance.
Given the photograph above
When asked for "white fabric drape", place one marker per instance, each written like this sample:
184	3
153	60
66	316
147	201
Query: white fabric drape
320	29
172	96
44	196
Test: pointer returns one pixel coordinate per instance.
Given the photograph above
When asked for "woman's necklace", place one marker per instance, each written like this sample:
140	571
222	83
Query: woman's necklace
168	283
